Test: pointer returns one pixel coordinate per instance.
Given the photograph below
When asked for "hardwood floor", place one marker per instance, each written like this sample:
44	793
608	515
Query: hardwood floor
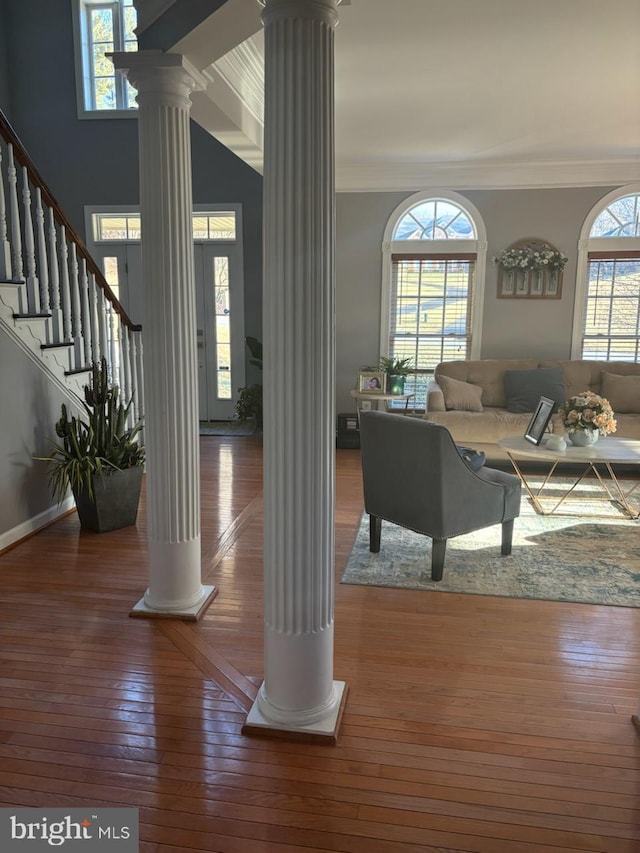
474	724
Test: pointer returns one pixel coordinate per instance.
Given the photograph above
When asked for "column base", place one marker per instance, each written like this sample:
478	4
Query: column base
189	614
325	730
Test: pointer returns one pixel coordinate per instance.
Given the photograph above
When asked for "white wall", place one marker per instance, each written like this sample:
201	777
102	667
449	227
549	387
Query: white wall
511	328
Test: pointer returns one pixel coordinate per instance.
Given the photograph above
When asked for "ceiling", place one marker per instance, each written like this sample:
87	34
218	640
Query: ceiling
476	93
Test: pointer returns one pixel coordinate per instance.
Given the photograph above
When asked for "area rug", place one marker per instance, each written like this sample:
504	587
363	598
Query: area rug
227	428
555	557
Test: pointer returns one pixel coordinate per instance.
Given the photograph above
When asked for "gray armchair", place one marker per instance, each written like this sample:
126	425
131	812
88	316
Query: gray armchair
414	477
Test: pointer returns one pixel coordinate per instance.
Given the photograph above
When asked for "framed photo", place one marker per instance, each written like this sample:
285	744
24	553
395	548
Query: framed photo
539	420
372	381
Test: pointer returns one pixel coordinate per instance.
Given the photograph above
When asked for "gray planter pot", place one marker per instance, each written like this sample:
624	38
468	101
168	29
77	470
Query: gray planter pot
114	503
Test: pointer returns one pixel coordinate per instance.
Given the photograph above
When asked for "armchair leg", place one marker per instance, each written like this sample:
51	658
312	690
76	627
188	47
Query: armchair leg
438	550
375	529
507	537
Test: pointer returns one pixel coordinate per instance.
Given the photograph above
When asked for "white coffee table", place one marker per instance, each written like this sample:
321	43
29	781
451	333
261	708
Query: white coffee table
606	452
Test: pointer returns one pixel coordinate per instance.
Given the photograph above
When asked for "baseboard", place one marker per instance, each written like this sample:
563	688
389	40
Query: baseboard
33	525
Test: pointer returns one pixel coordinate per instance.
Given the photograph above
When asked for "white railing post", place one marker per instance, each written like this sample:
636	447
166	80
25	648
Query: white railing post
14	215
76	320
43	265
57	331
113	345
65	287
33	287
5	246
83	286
93	318
139	373
101	309
126	367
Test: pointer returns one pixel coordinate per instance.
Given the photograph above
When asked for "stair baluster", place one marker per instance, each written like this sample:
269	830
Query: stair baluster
57	331
102	323
126	368
65	287
83	289
33	286
5	246
14	214
43	265
96	352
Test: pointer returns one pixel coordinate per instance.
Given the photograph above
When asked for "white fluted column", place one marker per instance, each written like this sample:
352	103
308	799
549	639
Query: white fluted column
164	83
299	693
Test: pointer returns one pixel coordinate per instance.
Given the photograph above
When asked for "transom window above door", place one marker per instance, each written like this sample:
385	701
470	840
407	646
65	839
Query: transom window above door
217	226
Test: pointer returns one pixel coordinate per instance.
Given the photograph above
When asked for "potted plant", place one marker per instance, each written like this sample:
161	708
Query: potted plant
99	457
249	404
396	370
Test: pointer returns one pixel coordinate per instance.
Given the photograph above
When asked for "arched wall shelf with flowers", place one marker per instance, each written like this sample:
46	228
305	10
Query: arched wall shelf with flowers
530	269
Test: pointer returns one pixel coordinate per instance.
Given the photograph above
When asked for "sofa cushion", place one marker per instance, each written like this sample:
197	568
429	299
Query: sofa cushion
523	388
623	392
486	427
462	396
487	373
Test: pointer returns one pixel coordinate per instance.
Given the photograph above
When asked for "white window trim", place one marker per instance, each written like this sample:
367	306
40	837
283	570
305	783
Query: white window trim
79	46
479	246
588	244
91	210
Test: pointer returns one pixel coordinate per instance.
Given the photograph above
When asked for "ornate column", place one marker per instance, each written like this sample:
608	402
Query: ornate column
298	694
164	83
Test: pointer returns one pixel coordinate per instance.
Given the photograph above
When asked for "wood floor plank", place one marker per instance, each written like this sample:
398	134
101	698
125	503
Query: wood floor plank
475	724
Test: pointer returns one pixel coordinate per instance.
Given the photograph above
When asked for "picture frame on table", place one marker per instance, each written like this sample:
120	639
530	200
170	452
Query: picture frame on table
372	381
539	420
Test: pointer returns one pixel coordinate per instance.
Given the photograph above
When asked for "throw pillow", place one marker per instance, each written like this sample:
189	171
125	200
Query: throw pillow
459	395
623	392
475	459
523	388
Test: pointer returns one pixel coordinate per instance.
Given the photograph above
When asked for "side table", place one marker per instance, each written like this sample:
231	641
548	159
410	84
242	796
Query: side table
362	396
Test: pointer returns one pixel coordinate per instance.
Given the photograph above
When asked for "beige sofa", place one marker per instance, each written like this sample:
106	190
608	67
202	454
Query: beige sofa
476	412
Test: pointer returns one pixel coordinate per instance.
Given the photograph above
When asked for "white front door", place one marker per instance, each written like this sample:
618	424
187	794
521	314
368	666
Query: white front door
219	316
220	319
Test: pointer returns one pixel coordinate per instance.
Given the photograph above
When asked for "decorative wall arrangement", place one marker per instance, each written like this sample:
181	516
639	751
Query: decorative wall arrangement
530	269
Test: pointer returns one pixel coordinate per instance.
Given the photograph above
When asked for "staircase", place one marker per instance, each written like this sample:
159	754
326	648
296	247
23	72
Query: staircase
54	300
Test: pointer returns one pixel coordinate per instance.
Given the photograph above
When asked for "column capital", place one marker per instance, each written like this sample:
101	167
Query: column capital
276	10
165	75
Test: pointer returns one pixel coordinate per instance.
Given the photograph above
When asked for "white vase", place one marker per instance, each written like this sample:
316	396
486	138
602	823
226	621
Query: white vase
557	443
584	437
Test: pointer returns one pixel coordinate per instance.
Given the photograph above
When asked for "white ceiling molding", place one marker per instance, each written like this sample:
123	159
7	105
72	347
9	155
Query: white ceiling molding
243	72
504	175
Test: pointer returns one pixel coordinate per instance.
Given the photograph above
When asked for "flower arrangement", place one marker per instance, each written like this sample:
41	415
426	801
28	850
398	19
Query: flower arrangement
526	258
588	411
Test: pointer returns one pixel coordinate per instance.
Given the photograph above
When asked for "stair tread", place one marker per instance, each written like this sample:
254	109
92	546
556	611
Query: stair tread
60	344
15	282
31	316
77	370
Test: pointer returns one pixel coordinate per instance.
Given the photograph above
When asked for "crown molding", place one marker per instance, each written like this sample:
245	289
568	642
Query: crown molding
498	175
242	69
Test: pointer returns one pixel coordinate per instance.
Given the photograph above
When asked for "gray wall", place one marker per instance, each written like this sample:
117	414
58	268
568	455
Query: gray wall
31	406
510	327
5	103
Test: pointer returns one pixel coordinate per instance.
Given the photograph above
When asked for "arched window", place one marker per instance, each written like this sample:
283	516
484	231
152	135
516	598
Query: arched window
607	306
434	254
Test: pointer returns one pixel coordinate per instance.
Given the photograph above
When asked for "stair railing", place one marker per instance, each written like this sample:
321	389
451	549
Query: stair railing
63	286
